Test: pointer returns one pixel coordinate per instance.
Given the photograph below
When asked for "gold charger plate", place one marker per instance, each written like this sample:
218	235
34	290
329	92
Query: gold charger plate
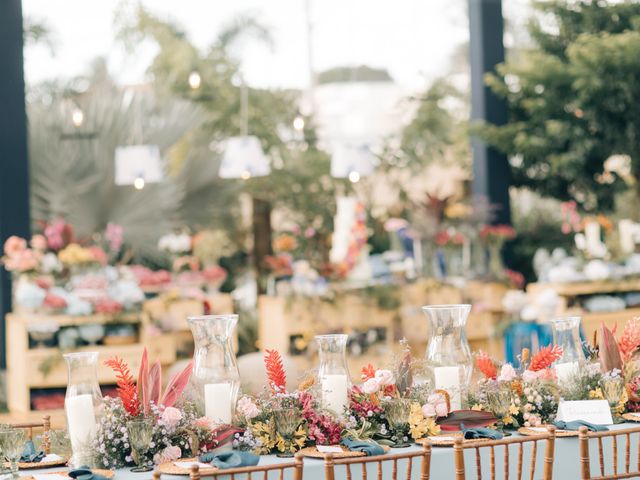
34	465
632	417
449	439
170	469
104	473
312	452
528	432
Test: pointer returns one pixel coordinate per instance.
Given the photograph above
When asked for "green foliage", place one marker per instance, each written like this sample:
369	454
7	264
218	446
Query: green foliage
573	101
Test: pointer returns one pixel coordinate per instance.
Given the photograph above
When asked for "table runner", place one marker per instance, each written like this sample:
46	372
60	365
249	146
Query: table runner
566	462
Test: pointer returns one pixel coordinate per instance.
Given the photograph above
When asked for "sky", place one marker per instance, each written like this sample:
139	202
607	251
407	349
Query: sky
413	39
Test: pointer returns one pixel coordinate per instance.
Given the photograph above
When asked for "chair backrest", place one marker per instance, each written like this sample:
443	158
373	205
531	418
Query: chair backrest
549	438
330	465
260	472
625	436
45	425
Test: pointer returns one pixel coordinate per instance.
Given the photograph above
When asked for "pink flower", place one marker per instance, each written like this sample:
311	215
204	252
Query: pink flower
436	406
371	386
529	376
171	416
169	454
14	245
247	408
99	255
114	235
544	374
24	261
428	410
309	232
205	422
384	377
38	242
54	302
507	373
59	234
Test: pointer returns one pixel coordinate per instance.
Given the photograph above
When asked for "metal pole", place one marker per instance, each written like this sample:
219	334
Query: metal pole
491	170
14	166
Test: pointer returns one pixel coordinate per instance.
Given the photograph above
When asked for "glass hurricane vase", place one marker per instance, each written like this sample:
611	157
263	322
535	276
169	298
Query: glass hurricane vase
215	378
448	356
333	373
566	334
82	404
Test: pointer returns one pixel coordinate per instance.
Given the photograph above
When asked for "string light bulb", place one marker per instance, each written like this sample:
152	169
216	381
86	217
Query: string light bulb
354	177
194	80
298	123
138	183
77	117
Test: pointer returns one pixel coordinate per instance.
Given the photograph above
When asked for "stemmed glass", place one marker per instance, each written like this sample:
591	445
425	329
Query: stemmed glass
612	389
140	435
12	444
287	421
397	411
499	402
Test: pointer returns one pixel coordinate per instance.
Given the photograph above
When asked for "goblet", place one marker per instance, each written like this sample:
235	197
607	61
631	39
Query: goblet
59	442
287	421
612	390
12	444
397	411
499	402
91	334
140	435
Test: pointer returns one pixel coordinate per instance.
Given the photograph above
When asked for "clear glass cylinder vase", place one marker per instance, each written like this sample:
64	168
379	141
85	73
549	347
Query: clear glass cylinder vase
82	405
448	356
333	372
215	377
566	334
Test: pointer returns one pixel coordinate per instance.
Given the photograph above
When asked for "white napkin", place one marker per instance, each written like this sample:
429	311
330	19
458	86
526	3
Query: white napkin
329	448
52	457
188	465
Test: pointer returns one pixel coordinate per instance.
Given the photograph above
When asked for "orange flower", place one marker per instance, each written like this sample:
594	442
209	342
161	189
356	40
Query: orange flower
545	357
486	365
285	243
630	339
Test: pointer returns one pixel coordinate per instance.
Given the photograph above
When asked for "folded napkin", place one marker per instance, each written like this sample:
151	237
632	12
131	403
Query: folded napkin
235	459
576	424
371	448
29	454
480	432
85	473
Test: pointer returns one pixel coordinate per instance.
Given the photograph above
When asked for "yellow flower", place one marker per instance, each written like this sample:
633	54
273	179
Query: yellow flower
291	446
419	425
507	420
513	410
596	394
477	407
74	254
265	433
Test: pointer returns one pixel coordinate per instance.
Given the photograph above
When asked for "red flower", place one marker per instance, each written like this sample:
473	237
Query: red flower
127	390
367	372
275	371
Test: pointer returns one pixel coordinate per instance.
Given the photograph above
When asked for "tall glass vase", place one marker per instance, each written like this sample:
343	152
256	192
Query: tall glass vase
215	377
566	334
82	405
448	357
333	374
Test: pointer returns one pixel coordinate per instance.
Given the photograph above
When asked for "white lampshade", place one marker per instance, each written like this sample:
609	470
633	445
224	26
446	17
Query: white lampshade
348	159
137	162
243	158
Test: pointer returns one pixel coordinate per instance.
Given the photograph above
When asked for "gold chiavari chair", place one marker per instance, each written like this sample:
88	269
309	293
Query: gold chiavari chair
330	465
460	446
625	437
45	425
263	472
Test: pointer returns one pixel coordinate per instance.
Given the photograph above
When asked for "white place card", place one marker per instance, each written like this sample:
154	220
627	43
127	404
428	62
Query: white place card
538	429
329	448
592	411
188	465
442	438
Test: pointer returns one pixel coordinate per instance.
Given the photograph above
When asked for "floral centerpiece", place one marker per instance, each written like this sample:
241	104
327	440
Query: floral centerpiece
176	431
494	237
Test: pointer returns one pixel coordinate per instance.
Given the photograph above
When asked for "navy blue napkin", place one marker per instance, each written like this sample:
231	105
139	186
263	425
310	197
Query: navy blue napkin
85	473
576	424
371	448
480	432
235	459
29	454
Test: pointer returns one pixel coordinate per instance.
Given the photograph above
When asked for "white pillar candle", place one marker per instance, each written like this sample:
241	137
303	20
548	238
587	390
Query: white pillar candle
592	234
626	229
566	371
448	379
217	402
335	393
81	420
